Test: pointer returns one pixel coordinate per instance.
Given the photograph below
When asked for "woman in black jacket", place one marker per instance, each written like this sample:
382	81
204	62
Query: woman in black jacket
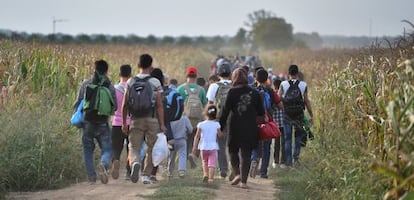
245	107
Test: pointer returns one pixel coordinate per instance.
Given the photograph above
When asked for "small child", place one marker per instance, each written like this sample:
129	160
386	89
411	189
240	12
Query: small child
180	129
206	141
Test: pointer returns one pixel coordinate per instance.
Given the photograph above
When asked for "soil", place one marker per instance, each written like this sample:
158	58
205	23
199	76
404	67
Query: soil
123	190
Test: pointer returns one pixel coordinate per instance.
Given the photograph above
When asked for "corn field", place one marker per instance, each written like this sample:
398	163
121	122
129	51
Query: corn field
363	103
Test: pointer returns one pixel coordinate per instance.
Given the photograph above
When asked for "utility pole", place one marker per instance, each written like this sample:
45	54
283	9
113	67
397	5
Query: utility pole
54	21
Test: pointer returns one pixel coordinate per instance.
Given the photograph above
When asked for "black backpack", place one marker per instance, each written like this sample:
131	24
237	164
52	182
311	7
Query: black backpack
293	101
173	105
141	100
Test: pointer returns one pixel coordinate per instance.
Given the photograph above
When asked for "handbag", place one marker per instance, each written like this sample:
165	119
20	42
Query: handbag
77	117
269	129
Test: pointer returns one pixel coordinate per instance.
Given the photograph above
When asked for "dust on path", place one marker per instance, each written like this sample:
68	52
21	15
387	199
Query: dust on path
259	189
124	190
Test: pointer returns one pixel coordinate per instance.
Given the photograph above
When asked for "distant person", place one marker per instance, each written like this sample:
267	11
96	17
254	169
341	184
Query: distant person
173	84
295	99
158	74
216	95
145	122
205	140
118	137
201	82
279	155
96	126
212	79
194	102
181	129
244	106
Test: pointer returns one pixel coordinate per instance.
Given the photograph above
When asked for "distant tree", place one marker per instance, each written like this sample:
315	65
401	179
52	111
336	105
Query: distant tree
3	35
66	39
185	40
312	40
240	38
118	39
217	42
133	39
100	38
151	40
268	31
17	36
200	41
83	38
167	40
35	37
51	38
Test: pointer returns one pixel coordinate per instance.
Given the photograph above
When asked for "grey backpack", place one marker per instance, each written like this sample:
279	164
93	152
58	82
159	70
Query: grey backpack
140	98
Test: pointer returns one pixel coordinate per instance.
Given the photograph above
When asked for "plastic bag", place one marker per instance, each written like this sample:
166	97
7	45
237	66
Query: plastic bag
160	150
142	152
77	117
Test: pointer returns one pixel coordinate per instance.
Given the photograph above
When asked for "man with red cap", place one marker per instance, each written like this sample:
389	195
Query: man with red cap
194	103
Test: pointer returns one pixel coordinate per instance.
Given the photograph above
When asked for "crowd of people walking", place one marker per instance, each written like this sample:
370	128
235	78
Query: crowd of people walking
215	120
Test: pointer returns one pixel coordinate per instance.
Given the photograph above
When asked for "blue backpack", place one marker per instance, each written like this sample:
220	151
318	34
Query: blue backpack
265	96
173	104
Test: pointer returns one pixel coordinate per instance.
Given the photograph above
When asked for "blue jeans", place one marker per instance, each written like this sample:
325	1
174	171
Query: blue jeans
101	132
265	156
299	132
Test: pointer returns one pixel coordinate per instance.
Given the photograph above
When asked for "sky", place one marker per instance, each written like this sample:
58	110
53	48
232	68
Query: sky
204	17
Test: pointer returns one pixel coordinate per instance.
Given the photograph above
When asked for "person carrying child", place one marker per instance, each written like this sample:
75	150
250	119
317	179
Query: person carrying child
206	141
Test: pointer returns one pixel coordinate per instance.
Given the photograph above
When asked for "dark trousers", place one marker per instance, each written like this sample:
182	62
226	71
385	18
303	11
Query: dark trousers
240	167
118	139
279	153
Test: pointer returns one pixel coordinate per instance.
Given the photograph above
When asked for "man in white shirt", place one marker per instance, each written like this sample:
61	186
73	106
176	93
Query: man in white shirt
216	94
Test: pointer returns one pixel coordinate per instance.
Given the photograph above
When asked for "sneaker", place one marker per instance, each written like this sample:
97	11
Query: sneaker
205	179
191	159
135	172
153	179
274	165
232	175
181	173
128	175
146	180
91	180
253	169
115	169
103	174
282	166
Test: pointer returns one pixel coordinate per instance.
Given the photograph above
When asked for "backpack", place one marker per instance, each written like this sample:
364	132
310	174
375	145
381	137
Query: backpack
173	105
193	107
293	100
98	104
221	96
141	100
265	97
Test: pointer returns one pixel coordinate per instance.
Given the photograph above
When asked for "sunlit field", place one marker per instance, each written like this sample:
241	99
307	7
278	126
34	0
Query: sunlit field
363	102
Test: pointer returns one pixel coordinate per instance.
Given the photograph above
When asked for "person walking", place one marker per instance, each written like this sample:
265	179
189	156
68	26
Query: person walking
194	97
279	155
246	109
118	137
295	98
96	126
181	129
216	95
144	92
205	140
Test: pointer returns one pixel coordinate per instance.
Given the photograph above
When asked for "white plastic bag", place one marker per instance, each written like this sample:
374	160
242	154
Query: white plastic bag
160	150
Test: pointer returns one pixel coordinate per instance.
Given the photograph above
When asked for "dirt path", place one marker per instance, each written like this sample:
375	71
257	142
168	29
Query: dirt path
124	190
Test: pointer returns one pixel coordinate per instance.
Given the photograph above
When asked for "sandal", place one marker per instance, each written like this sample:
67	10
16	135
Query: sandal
210	181
236	180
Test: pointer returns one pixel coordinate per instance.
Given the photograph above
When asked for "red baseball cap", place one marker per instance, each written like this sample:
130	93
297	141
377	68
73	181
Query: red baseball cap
191	70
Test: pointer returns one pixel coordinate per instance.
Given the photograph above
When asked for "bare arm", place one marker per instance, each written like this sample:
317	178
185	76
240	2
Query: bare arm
160	111
125	111
196	140
308	106
220	133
